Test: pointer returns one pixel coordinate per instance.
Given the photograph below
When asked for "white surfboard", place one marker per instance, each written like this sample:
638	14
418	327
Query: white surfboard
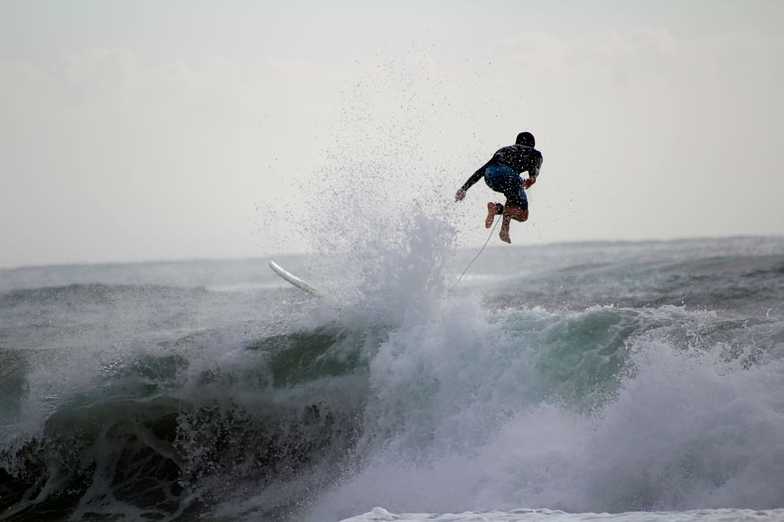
294	280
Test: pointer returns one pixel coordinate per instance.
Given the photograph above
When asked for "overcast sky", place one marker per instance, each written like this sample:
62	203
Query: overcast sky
136	130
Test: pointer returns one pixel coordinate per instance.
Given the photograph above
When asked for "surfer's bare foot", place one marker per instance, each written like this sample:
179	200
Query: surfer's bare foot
490	215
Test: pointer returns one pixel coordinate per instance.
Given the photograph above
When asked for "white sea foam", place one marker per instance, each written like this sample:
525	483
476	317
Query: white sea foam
541	515
459	420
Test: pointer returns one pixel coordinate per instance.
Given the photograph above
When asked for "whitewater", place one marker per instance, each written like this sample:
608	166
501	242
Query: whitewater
582	381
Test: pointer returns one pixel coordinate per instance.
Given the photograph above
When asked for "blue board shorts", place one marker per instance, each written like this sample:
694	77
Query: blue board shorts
504	179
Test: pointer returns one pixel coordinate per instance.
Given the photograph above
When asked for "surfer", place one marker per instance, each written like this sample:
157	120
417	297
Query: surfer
502	174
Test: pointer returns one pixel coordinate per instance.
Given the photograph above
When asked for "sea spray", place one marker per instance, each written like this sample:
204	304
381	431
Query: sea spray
684	428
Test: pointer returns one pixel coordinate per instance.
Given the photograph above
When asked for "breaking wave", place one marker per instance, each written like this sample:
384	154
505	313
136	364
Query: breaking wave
419	402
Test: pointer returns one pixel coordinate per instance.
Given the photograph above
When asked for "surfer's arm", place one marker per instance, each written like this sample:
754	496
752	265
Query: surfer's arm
533	173
476	176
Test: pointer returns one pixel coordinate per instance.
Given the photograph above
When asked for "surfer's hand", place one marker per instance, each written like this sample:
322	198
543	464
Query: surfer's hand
529	181
460	195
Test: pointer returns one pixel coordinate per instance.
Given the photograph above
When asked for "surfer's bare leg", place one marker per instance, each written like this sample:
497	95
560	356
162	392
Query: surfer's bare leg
510	213
518	214
504	234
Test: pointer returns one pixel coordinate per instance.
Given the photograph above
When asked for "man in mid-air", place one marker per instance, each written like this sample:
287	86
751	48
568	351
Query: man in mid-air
502	174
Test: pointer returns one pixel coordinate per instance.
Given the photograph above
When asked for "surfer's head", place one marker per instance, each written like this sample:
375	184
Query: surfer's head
526	138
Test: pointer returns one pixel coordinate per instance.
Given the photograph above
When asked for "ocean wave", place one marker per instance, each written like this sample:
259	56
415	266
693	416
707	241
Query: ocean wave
622	410
93	293
174	429
745	283
618	381
151	431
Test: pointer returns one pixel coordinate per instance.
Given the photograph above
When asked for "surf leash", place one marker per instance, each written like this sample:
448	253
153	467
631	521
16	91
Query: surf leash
492	230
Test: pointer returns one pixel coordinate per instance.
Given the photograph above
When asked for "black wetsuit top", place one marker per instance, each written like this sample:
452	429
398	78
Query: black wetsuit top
519	157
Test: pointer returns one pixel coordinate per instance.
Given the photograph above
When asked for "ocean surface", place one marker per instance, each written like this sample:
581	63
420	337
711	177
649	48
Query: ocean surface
626	381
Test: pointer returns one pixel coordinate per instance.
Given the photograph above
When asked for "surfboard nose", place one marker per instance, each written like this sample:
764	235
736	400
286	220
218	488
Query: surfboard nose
292	279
